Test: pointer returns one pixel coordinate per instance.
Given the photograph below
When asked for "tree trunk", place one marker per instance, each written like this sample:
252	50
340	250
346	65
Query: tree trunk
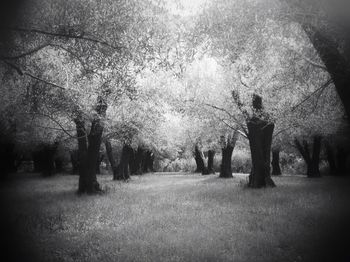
226	168
211	154
123	170
227	146
138	161
276	169
98	163
337	66
260	139
147	162
89	148
312	160
198	156
110	157
82	156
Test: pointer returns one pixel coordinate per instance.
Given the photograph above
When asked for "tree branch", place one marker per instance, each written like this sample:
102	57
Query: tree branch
22	72
30	52
81	36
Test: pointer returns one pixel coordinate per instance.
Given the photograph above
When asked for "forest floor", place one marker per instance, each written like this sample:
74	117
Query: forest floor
176	217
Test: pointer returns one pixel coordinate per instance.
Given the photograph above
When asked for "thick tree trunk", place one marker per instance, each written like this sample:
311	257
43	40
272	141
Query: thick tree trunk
82	156
211	154
227	146
276	169
139	159
89	148
94	140
226	167
260	139
98	163
312	160
337	66
123	170
110	157
198	156
147	162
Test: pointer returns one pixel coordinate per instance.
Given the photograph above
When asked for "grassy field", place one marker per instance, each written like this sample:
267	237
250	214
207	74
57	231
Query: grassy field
176	217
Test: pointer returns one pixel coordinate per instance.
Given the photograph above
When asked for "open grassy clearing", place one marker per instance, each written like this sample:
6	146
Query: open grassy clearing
178	217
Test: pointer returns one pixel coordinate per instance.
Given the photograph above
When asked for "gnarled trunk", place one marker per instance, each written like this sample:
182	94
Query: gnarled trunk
260	139
211	154
312	160
226	168
276	169
337	66
89	148
123	170
110	157
198	156
137	161
227	146
147	162
94	140
82	155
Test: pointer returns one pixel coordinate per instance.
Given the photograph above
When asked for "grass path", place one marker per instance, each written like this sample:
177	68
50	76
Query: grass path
178	217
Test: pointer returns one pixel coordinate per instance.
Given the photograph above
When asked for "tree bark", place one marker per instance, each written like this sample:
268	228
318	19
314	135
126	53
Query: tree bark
311	160
226	168
276	169
227	149
98	163
260	140
211	154
89	148
123	170
110	157
139	159
198	156
337	66
94	140
148	161
82	155
199	160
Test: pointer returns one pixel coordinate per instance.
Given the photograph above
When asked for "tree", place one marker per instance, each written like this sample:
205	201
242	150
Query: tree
327	29
88	63
227	144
